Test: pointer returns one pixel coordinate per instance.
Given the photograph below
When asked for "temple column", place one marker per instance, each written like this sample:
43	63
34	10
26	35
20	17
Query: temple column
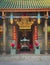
4	33
35	36
15	36
35	32
46	33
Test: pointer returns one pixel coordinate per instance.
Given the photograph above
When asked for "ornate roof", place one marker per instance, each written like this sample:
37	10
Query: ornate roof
24	3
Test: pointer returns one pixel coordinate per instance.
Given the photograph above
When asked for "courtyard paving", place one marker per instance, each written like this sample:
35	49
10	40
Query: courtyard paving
24	59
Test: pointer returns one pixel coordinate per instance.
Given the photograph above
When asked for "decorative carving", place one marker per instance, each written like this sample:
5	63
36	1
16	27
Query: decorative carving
25	23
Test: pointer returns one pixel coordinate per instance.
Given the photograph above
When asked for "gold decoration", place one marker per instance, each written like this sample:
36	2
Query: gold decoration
11	21
1	28
25	23
39	21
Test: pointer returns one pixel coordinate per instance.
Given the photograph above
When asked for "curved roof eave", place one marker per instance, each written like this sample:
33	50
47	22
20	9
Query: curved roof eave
24	9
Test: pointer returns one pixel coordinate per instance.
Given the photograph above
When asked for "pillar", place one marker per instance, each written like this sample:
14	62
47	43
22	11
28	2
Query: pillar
15	34
35	32
46	32
4	32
